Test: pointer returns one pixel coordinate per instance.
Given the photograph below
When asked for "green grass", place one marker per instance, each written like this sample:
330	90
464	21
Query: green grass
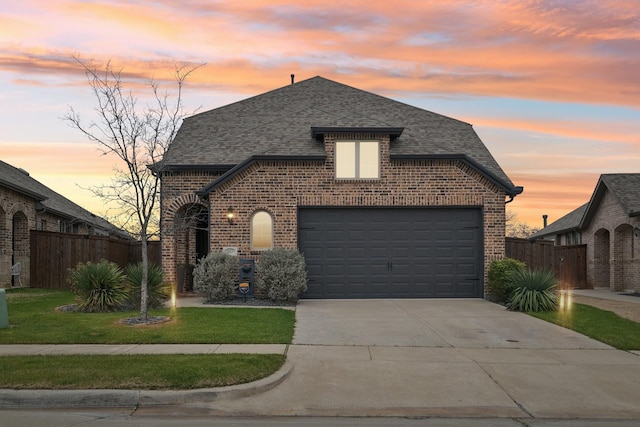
34	320
604	326
148	372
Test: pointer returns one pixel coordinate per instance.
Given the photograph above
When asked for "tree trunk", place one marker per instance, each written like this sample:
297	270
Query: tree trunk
145	278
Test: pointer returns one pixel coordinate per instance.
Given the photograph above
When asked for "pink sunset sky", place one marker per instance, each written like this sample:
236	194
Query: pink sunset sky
552	87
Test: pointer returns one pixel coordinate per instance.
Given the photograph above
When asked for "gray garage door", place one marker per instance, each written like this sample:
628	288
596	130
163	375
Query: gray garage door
392	252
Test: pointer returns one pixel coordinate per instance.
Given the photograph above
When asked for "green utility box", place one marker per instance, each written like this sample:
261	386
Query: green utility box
4	313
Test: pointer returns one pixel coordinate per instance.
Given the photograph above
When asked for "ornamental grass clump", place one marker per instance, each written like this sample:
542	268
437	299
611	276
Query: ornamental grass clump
99	287
534	291
157	290
215	277
282	274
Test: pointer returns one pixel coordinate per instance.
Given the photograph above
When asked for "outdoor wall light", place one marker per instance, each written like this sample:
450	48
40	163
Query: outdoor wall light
231	215
636	232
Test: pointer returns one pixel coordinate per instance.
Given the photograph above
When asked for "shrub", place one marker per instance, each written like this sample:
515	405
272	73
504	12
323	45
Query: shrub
216	277
282	274
533	291
100	287
499	277
157	290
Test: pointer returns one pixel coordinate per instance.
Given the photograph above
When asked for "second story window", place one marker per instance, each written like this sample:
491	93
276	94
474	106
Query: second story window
357	160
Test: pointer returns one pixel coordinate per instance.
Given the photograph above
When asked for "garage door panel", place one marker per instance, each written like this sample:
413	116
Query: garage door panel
392	252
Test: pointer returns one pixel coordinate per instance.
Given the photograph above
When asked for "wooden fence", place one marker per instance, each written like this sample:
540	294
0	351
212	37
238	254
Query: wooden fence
569	263
52	254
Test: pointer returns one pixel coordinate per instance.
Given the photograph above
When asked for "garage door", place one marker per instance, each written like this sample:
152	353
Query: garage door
392	252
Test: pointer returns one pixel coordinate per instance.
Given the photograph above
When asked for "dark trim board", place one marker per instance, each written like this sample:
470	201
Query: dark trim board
392	252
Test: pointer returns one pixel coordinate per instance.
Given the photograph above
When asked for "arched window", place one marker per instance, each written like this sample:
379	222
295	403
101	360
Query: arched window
261	231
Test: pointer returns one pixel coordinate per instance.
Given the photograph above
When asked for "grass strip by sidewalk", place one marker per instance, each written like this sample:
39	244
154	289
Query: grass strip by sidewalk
34	320
602	325
138	372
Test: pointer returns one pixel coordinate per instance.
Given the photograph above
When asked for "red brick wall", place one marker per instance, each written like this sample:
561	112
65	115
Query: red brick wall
281	187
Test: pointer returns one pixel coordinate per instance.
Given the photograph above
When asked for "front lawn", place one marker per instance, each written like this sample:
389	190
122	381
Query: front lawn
148	372
34	320
604	326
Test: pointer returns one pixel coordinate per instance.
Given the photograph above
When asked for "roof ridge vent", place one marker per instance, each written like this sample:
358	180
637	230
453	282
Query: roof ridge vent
23	171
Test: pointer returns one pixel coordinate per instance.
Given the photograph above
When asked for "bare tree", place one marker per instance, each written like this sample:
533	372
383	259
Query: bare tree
518	229
139	137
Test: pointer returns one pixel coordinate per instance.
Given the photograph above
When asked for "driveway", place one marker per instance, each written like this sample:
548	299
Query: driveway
466	323
449	358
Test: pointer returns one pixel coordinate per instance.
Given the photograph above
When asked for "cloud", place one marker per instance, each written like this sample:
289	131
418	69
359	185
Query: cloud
530	49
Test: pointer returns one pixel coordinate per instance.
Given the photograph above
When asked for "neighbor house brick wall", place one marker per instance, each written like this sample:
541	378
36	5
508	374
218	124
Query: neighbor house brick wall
618	258
281	187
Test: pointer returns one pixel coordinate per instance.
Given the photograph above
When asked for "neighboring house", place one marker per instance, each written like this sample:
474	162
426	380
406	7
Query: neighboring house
382	198
26	204
610	227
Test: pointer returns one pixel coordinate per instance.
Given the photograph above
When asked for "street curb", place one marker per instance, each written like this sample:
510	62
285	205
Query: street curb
136	398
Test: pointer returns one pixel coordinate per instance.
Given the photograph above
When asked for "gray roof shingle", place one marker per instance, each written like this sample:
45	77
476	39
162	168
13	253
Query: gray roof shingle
279	123
569	222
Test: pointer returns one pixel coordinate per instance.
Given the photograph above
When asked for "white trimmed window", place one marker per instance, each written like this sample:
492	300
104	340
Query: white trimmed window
357	160
261	231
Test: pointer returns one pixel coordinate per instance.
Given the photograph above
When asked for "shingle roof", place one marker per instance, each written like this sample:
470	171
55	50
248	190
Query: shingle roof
569	222
279	122
20	181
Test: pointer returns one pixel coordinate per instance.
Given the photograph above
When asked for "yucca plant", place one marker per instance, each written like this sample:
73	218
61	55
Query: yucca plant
533	291
157	290
100	287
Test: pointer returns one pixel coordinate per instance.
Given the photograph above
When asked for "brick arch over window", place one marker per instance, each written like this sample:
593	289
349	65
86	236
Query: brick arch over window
623	258
602	258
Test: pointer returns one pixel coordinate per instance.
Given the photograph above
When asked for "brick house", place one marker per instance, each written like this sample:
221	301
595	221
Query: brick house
26	204
382	198
609	225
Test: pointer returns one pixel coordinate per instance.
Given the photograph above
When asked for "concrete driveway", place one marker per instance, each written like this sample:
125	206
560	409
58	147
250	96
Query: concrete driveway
449	358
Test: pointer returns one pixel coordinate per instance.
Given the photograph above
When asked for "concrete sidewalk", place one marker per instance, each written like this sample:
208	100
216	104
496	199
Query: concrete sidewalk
66	349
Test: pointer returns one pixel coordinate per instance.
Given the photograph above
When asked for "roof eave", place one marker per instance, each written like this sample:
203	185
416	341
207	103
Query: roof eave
509	188
318	132
39	197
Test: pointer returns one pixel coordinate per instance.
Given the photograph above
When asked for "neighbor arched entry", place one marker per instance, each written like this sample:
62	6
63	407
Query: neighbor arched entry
601	259
20	245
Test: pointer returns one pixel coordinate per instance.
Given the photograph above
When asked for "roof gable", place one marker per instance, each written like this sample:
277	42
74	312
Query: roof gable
624	187
279	123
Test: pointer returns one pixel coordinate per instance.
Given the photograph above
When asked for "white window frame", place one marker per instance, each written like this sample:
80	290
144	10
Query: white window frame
357	160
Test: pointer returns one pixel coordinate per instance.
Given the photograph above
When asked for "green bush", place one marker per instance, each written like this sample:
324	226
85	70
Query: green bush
499	277
157	290
533	291
216	277
99	287
282	274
